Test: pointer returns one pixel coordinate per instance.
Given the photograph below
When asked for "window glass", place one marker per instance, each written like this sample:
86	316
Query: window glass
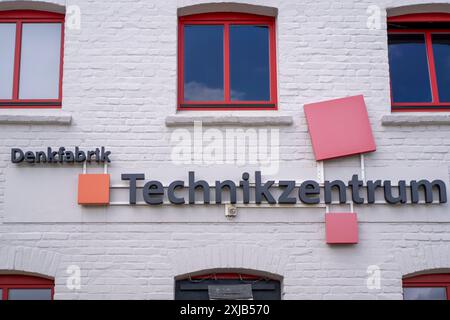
249	63
207	289
408	65
441	50
7	49
203	63
424	293
29	294
40	61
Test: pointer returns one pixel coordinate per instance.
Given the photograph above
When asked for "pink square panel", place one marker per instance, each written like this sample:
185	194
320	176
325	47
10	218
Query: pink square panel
341	228
339	127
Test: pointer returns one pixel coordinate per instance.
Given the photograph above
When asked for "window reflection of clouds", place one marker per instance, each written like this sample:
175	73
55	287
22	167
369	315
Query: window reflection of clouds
424	293
203	54
195	91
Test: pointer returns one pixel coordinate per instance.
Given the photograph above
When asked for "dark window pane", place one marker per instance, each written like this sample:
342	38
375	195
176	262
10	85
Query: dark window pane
200	290
441	50
7	49
203	63
408	66
249	63
424	294
29	294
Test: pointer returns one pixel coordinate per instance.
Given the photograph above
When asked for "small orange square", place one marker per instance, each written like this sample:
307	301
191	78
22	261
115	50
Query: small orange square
93	189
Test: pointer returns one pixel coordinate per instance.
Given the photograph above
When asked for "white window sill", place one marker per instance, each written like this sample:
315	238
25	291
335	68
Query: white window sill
37	116
416	119
252	119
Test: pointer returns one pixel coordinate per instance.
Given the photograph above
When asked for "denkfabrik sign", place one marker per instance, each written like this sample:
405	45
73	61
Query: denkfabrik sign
93	186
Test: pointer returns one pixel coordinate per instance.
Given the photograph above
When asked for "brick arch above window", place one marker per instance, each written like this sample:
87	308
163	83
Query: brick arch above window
241	258
230	273
56	6
424	8
29	260
228	7
430	17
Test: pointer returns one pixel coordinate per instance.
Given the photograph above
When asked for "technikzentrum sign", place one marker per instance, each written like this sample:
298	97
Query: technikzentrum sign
94	188
338	128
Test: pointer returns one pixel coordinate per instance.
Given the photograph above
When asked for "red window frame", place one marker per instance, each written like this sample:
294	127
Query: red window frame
31	16
16	281
435	105
436	280
227	19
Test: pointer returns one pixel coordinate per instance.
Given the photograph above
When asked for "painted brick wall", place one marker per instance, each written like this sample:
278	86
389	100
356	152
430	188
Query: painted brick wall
120	73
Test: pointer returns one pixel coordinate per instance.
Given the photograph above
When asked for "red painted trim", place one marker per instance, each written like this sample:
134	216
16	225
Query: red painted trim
425	104
226	62
273	64
61	62
31	16
226	19
432	68
180	57
17	53
29	100
224	16
436	280
19	279
419	31
421	17
435	105
13	281
420	110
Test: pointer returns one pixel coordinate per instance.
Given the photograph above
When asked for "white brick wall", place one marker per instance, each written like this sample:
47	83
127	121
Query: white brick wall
119	87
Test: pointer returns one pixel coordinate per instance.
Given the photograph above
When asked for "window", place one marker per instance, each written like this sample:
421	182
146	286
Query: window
419	62
227	286
427	287
25	287
226	61
31	57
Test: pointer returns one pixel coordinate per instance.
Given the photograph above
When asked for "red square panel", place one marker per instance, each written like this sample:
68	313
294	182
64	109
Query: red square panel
339	127
341	228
